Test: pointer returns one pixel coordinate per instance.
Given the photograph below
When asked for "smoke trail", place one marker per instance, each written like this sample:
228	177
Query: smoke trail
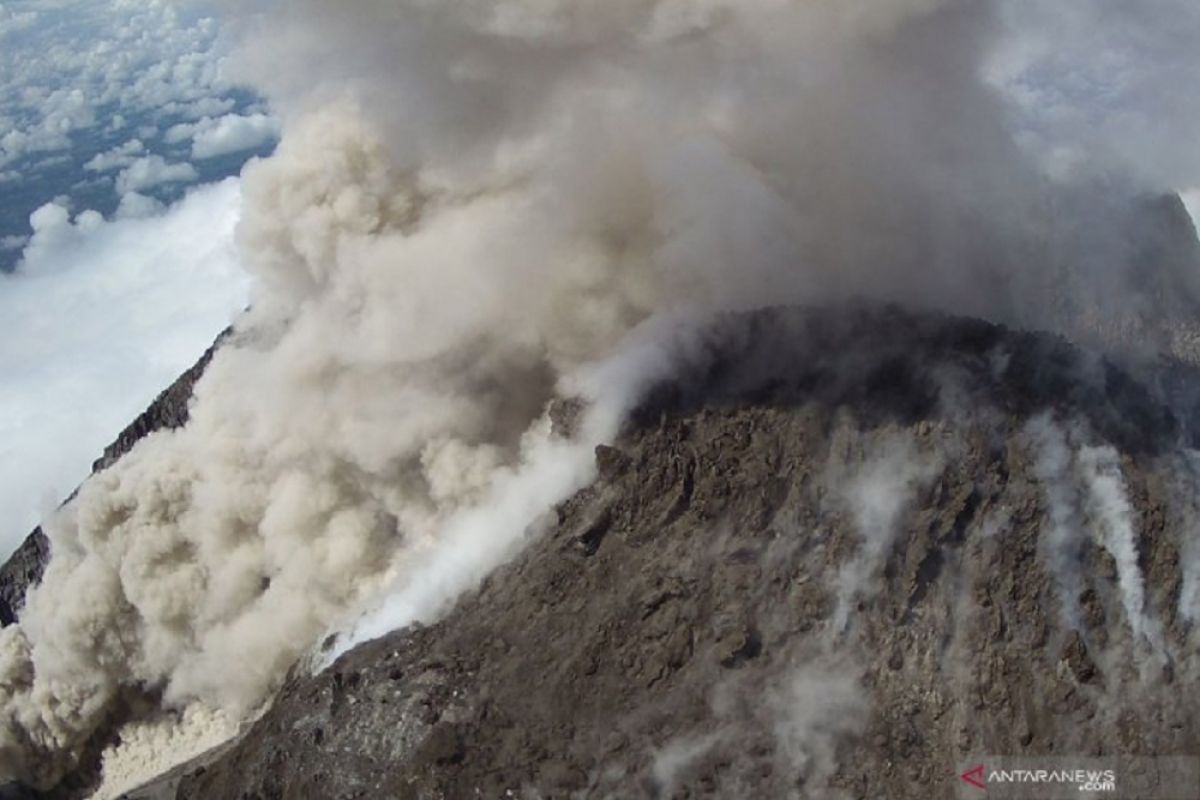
817	708
1085	492
1188	498
472	203
475	539
1113	529
877	493
672	761
1061	544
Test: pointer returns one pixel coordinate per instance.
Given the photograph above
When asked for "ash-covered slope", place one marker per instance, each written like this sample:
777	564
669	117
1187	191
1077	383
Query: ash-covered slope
839	554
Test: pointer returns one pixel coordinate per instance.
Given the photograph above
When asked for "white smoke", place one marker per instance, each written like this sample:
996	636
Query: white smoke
1187	498
876	492
475	539
1086	494
812	705
672	761
817	707
472	204
1113	527
1062	542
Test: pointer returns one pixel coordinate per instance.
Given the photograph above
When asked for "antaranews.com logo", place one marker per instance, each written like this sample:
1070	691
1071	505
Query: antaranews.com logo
1032	778
1099	781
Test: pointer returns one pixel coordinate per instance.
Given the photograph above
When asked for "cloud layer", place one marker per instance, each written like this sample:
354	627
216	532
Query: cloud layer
67	67
103	316
233	133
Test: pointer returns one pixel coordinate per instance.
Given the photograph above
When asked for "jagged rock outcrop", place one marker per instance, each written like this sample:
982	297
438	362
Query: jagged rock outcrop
835	557
22	570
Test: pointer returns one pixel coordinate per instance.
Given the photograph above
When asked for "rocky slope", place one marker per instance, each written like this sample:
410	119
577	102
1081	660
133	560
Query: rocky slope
838	555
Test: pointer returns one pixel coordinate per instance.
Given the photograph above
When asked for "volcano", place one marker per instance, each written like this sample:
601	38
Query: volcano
846	554
663	398
843	552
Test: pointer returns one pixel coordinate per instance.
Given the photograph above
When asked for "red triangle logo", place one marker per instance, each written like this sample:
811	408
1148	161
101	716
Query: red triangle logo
974	776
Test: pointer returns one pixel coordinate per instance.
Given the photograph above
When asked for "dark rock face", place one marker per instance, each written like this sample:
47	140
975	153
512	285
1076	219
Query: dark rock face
22	570
682	630
169	410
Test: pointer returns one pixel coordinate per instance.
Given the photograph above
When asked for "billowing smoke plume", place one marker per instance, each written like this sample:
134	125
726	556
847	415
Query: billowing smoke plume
472	203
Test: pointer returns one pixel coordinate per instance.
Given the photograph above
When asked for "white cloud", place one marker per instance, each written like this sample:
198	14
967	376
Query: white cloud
14	21
109	313
138	206
231	133
50	161
198	109
60	112
234	133
18	143
53	230
151	171
125	58
10	243
181	132
118	157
